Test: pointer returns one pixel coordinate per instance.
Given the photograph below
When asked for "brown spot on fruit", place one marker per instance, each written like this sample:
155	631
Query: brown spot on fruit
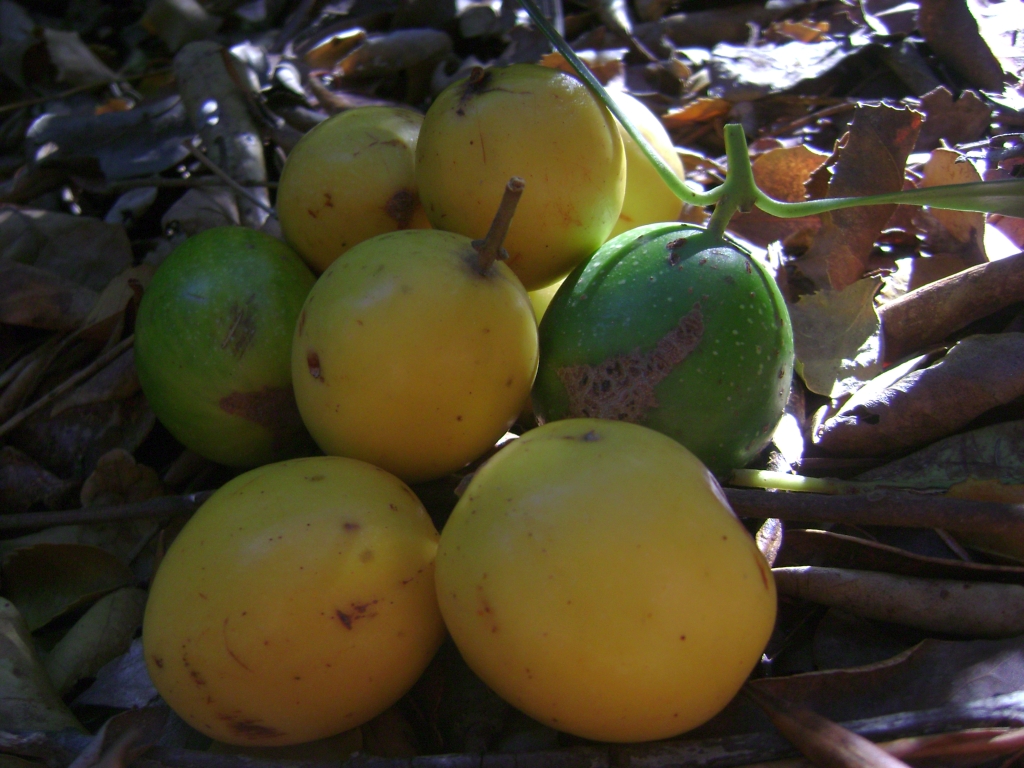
350	526
313	363
272	408
345	619
241	327
328	202
158	661
302	321
622	387
401	207
315	479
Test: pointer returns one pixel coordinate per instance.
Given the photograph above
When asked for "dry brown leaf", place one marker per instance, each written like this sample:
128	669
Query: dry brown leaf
697	111
963	120
965	52
23	483
119	479
782	174
395	52
604	65
870	160
961	233
38	298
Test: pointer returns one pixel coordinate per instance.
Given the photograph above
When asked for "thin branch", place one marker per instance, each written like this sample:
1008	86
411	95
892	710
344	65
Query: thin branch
160	507
90	370
216	171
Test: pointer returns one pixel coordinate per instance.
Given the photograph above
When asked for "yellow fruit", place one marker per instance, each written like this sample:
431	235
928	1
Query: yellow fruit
348	179
594	576
648	199
536	123
407	357
297	603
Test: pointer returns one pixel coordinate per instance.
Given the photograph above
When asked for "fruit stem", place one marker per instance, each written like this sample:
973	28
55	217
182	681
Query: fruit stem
489	249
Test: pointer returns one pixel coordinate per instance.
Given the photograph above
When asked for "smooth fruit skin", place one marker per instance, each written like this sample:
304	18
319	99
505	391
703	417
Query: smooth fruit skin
670	328
297	603
212	346
594	576
406	357
348	179
543	126
648	199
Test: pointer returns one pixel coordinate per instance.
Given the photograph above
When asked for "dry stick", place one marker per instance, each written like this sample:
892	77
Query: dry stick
964	608
162	506
67	384
825	743
884	507
489	248
212	167
929	314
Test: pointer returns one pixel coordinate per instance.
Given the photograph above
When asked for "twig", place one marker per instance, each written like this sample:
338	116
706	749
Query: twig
929	314
884	507
162	506
66	385
212	168
79	89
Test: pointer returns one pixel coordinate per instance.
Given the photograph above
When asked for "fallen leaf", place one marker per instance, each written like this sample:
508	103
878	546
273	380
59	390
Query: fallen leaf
890	17
101	635
965	52
123	738
836	336
782	174
869	160
957	121
38	298
697	111
960	233
49	580
27	699
122	683
23	483
977	374
75	63
119	479
84	250
177	22
202	208
121	292
395	51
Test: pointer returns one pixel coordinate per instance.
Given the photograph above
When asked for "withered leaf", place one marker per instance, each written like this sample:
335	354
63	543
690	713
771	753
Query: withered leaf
979	373
47	580
23	483
119	479
960	233
395	51
122	683
836	336
870	160
101	635
963	120
27	700
782	174
965	52
38	298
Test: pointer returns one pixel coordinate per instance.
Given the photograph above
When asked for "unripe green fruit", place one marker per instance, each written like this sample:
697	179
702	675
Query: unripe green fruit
212	346
348	179
543	126
671	328
648	199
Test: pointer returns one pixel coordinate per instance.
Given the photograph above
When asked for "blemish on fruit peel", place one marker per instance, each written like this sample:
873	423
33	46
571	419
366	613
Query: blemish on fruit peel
622	387
272	408
242	328
401	207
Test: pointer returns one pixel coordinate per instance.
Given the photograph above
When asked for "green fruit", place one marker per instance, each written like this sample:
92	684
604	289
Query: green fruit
213	344
671	328
539	124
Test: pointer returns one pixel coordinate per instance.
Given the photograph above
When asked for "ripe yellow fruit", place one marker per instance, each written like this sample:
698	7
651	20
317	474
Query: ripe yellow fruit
648	199
348	179
543	126
297	603
594	576
406	356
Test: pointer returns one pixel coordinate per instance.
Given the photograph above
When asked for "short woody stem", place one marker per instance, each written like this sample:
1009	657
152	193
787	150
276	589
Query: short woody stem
489	249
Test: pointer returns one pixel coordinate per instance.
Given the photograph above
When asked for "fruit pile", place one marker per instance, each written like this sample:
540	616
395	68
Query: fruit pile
592	572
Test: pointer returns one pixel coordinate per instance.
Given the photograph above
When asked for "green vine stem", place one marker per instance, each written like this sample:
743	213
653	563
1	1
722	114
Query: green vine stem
740	192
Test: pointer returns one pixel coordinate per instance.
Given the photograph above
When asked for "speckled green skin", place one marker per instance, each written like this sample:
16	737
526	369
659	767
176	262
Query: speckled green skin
213	346
722	395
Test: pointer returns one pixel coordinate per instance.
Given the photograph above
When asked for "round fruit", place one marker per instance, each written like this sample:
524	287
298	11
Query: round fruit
407	357
297	603
536	123
673	329
594	576
542	297
348	179
648	199
212	345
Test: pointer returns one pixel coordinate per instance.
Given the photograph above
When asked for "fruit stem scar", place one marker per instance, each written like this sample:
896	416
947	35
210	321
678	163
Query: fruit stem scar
489	249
